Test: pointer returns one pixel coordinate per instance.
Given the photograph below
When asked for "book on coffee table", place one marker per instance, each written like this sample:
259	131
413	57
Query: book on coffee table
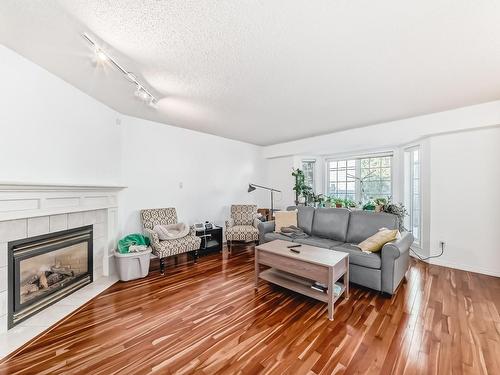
337	287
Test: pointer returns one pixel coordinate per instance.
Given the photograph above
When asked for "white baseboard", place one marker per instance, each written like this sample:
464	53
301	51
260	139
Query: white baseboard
464	267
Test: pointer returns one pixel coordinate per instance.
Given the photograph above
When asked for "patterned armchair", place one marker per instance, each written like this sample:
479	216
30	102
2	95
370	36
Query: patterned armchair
163	249
243	224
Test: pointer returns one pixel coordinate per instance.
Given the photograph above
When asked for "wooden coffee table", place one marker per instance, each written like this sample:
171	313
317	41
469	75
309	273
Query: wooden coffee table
298	272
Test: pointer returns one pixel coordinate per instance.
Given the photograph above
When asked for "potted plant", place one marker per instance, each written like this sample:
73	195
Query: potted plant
348	203
328	201
369	206
379	204
400	211
339	202
302	191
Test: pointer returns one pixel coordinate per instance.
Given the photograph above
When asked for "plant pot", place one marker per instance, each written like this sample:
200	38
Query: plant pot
302	200
378	208
338	205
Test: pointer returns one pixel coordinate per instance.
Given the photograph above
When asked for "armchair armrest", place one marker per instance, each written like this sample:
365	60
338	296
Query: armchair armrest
256	222
395	248
153	237
229	223
265	227
192	231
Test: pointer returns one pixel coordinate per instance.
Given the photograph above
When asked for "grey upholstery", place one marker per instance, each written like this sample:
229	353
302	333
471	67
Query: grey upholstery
275	236
356	256
331	223
363	224
396	260
305	217
369	277
265	228
382	271
318	241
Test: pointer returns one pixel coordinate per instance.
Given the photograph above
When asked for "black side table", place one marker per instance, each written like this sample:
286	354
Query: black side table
211	239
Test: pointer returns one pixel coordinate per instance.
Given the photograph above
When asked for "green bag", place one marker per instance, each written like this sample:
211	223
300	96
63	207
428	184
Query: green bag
131	239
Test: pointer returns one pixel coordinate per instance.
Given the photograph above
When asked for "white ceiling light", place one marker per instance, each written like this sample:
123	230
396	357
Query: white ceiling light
141	91
100	55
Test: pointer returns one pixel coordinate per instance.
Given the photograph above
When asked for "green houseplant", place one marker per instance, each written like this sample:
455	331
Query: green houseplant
348	203
302	190
379	204
339	202
399	210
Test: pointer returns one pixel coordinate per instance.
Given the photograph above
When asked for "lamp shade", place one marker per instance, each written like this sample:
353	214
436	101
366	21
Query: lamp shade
251	188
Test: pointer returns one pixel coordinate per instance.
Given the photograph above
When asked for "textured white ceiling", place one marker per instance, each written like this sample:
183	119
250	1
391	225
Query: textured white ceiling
269	71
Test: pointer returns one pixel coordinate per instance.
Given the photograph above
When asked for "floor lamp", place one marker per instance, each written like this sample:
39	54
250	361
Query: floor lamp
252	187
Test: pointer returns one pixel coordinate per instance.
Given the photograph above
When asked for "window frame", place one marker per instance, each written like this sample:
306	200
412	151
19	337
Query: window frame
358	158
410	200
313	162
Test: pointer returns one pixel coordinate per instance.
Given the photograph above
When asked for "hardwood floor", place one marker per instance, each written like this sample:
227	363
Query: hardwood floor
206	319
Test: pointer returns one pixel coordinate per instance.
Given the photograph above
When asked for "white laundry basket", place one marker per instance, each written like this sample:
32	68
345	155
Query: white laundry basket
132	266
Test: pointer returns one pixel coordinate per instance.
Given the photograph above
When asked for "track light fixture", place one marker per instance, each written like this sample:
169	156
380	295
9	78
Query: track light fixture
141	91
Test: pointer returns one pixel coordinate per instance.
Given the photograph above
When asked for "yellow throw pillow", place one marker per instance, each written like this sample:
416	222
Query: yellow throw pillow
378	240
284	219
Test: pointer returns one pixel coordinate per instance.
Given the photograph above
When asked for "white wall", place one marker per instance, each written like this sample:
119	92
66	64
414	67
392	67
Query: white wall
279	176
214	173
465	211
51	132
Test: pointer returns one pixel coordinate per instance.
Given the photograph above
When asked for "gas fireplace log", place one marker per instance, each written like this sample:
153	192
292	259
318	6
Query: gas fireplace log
28	288
54	278
31	280
42	281
62	270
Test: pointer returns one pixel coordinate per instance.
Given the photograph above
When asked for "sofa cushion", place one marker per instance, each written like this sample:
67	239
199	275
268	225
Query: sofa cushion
331	223
276	236
363	224
318	241
305	217
356	256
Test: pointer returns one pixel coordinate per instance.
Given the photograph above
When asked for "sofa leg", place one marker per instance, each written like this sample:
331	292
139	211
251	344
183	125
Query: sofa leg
162	266
229	246
195	255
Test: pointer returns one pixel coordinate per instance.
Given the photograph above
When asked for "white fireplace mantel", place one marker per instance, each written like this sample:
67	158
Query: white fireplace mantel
19	200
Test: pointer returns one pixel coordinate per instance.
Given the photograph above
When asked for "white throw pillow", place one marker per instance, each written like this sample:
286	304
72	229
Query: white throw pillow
284	219
171	231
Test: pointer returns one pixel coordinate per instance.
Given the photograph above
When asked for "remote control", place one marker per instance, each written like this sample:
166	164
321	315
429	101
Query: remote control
295	251
298	245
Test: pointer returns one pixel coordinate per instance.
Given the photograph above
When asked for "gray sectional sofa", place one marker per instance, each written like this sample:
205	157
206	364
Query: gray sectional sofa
338	229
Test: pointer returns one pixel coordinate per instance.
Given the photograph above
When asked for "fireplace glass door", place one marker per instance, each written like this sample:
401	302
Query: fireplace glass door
44	269
41	274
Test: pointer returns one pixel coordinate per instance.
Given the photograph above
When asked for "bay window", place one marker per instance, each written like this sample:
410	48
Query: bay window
360	179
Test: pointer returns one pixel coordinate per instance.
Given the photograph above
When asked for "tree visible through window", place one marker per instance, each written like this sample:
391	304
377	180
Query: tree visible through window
360	179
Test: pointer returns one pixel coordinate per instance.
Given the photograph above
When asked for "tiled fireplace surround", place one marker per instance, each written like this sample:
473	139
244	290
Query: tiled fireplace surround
28	210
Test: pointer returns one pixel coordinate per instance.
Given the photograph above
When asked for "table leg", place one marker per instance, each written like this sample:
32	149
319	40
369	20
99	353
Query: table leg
346	278
330	293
